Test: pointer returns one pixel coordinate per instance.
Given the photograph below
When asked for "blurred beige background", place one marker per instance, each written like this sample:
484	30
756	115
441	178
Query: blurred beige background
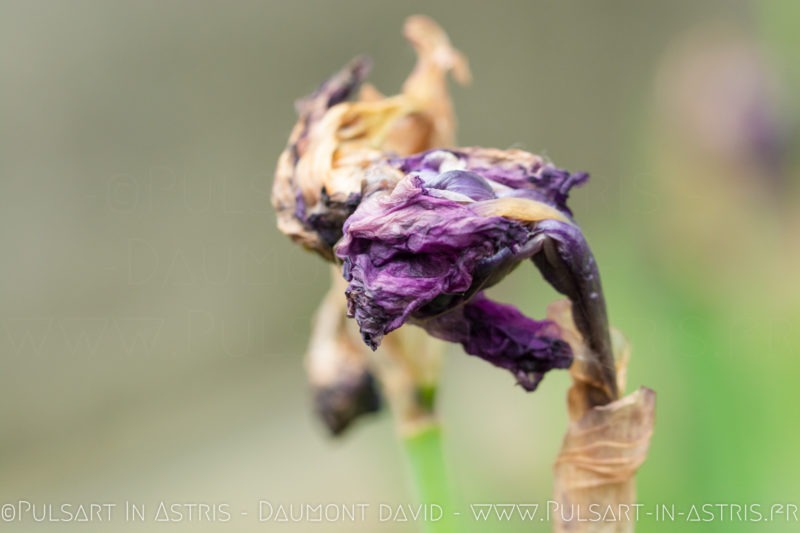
152	319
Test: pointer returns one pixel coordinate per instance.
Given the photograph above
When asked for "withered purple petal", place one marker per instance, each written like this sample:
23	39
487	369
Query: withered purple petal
470	184
504	337
404	250
567	263
423	252
526	177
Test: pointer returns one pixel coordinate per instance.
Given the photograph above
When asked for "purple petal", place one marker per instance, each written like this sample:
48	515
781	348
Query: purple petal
504	337
422	253
567	263
469	184
403	250
514	173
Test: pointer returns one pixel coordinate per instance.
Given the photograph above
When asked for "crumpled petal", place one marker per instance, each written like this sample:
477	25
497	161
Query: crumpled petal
567	263
403	249
321	173
504	337
456	223
510	173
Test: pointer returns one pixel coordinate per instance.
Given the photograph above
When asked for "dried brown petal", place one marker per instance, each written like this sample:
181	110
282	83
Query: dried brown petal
320	174
604	445
337	365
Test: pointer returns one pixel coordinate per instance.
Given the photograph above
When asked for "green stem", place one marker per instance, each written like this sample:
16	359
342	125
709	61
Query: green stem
425	457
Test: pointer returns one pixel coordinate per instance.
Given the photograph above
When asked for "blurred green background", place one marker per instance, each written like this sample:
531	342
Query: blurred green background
153	320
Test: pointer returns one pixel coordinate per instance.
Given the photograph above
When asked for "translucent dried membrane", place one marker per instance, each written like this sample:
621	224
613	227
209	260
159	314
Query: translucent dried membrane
446	224
342	130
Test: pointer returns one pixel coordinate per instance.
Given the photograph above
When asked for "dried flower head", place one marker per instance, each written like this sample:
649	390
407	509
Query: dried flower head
320	180
442	226
422	229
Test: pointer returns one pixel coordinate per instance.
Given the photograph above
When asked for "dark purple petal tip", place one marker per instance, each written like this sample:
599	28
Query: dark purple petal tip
504	337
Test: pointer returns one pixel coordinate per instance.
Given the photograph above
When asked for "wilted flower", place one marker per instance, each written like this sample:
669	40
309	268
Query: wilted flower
442	226
319	183
422	230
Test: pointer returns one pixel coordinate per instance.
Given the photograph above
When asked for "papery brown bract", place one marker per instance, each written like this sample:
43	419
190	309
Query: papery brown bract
321	173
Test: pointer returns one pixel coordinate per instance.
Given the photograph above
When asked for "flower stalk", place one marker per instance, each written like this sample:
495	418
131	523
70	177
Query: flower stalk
425	457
